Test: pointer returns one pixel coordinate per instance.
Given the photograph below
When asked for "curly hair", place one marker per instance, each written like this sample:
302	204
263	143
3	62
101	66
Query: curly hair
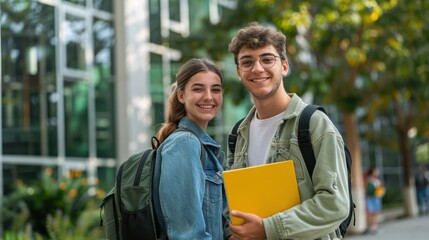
256	36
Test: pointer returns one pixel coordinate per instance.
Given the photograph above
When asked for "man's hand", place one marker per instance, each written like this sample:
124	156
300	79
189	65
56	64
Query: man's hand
251	229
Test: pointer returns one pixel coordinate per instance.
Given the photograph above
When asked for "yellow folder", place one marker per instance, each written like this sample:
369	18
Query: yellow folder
262	190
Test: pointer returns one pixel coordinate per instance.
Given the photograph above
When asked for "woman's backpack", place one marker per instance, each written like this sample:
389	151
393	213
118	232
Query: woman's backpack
128	207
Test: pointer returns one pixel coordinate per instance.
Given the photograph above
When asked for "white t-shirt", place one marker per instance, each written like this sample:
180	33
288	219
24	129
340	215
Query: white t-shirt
260	135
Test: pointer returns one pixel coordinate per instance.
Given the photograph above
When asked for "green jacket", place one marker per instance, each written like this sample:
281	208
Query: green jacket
324	201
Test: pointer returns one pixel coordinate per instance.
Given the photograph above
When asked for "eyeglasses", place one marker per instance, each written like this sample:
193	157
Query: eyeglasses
267	61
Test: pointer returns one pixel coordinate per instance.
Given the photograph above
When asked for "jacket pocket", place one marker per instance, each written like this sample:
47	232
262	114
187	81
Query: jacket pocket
213	192
293	153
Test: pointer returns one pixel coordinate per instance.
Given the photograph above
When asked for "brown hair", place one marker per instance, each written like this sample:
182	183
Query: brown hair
256	36
176	110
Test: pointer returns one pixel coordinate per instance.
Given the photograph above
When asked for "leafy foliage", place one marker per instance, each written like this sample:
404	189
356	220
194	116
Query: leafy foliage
349	53
60	227
41	205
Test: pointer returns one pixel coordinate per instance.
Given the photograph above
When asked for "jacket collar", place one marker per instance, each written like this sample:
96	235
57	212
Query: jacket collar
293	109
185	122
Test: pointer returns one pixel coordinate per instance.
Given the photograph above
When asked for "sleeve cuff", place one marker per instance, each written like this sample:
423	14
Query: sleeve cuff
270	228
226	233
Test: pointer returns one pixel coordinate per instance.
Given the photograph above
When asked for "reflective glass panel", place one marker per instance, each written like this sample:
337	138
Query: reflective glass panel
74	37
103	35
103	5
155	22
106	177
76	118
157	89
29	97
174	10
77	2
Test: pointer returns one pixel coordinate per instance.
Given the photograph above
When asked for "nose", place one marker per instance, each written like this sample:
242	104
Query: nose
257	66
208	94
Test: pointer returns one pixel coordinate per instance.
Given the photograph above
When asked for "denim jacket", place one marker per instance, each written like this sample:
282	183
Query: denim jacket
191	200
324	197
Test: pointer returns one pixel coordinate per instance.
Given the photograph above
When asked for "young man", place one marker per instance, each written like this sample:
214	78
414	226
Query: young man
269	134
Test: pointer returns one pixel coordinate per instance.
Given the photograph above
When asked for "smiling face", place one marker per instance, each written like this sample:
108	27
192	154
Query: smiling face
262	82
202	97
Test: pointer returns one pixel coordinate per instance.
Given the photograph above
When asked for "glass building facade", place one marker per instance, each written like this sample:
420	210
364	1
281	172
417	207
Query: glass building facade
84	82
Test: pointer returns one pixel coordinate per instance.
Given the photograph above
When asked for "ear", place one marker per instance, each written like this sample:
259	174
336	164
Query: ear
285	67
180	96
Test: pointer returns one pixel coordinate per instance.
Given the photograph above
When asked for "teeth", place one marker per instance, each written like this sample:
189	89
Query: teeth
206	106
259	79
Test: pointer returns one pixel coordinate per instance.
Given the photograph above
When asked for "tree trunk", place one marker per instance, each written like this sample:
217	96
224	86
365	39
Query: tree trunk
409	191
352	140
402	125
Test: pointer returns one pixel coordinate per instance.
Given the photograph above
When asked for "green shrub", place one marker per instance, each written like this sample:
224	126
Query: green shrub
53	209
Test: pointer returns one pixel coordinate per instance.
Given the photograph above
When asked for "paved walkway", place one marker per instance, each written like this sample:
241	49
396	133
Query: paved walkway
404	228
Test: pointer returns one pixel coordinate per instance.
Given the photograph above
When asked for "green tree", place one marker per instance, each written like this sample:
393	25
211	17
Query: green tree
401	88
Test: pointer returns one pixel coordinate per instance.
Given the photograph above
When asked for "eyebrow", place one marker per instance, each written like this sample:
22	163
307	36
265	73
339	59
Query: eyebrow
202	85
261	55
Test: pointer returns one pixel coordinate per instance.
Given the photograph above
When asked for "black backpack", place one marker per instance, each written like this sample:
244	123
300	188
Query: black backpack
308	154
129	213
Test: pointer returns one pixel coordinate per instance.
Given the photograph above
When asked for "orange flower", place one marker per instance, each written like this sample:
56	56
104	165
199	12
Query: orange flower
72	193
100	193
63	186
48	171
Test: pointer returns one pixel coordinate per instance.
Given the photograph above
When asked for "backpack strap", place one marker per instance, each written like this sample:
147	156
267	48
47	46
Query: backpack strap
232	137
310	161
140	167
304	136
203	148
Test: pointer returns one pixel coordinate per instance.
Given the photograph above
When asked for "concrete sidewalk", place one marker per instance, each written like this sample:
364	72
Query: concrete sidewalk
416	228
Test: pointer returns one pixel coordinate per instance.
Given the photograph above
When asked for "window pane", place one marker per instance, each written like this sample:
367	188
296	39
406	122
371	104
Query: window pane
106	177
75	42
104	5
155	22
200	11
28	84
104	87
157	89
76	118
78	2
104	40
174	7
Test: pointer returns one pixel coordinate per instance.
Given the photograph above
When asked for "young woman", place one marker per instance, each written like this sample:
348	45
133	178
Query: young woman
190	199
374	193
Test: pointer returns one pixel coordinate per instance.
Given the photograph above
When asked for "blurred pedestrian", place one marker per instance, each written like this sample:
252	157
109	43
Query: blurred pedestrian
422	188
374	193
